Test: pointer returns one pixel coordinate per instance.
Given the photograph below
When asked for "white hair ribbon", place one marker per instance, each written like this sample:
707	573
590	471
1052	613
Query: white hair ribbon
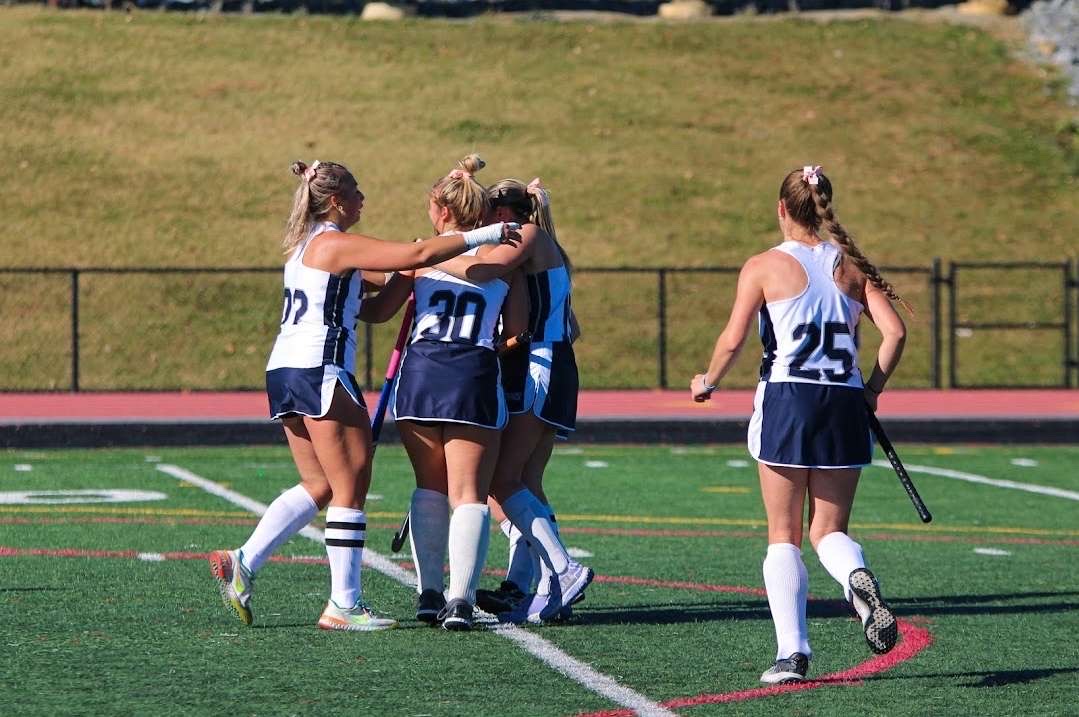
811	174
309	173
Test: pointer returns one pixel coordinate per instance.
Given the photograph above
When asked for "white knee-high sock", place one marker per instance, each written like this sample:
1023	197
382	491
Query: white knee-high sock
286	515
346	530
429	521
519	571
543	584
840	556
530	516
787	583
469	536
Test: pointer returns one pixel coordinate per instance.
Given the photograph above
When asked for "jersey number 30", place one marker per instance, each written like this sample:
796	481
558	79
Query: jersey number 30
456	308
810	334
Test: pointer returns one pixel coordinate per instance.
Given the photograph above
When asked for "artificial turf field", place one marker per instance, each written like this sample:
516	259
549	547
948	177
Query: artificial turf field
109	608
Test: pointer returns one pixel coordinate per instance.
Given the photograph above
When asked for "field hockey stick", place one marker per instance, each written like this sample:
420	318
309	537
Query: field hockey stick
514	342
391	372
900	471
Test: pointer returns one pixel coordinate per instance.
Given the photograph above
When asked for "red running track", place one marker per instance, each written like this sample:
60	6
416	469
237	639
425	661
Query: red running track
18	408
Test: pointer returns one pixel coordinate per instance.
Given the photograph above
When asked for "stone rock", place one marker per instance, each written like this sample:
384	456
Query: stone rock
985	7
685	10
382	11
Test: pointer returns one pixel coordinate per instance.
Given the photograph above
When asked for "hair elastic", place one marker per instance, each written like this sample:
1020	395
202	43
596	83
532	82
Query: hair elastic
811	174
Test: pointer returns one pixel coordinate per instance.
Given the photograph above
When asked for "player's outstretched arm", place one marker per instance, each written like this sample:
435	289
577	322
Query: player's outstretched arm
385	305
747	302
336	252
494	264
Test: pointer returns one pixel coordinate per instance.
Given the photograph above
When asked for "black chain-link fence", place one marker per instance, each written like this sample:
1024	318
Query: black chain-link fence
99	329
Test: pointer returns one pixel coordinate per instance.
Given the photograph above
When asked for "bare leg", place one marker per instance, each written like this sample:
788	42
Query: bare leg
785	577
471	454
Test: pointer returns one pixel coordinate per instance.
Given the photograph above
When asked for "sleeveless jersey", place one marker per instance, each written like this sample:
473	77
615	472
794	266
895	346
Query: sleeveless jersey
812	337
549	305
318	319
456	311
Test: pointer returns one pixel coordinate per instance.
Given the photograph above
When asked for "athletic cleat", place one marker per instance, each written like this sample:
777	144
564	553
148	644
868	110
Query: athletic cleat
428	604
234	581
791	669
505	599
878	621
456	616
565	590
358	618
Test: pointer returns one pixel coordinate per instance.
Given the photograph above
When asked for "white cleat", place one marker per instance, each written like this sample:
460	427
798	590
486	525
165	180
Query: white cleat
358	618
878	622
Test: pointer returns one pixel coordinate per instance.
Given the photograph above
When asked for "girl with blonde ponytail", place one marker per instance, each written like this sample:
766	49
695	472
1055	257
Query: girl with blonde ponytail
810	428
312	388
541	390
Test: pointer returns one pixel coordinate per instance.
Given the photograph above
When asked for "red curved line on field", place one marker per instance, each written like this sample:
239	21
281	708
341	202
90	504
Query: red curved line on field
915	640
680	585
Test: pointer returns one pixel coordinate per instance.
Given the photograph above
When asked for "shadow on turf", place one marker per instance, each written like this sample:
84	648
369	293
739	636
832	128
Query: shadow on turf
680	612
990	678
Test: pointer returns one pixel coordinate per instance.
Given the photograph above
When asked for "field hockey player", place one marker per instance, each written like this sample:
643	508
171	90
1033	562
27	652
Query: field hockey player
809	431
541	390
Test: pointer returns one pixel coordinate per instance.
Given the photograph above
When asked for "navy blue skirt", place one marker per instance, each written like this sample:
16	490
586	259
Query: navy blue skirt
543	381
808	425
455	383
308	391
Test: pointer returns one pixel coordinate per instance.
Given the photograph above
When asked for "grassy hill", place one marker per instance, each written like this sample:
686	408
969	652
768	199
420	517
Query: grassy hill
164	140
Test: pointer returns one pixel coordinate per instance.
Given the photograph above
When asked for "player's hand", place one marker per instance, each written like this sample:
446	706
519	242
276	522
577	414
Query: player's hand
871	397
511	233
700	391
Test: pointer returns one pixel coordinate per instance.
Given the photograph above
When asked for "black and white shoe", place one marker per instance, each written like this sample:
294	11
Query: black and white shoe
506	598
878	622
429	604
790	669
456	616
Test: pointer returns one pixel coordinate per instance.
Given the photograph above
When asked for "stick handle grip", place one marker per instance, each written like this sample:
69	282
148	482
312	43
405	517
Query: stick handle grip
391	371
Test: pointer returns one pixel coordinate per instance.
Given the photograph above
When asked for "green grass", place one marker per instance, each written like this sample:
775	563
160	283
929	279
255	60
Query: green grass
90	635
164	140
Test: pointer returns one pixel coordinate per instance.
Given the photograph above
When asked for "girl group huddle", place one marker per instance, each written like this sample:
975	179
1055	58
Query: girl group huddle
479	428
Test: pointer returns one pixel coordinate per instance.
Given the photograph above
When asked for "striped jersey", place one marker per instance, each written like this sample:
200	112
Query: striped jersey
319	315
549	304
457	311
812	338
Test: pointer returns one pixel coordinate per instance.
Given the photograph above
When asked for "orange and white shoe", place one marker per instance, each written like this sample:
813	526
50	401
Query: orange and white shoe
234	581
358	618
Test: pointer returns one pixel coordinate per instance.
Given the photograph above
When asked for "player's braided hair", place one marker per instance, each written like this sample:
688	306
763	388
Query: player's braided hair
318	183
533	207
811	206
462	194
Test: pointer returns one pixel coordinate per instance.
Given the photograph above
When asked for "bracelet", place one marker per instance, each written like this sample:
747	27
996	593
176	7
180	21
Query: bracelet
708	388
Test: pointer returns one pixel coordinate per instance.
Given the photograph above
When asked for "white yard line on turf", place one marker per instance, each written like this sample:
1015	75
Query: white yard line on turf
535	645
999	483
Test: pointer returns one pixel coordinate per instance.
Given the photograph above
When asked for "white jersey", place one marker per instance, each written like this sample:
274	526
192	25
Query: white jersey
319	316
811	338
456	311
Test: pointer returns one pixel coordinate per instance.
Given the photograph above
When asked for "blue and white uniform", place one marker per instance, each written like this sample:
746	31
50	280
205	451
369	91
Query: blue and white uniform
450	369
809	410
316	347
547	386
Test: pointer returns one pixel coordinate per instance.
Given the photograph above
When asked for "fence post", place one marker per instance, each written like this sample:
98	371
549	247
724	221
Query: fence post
74	329
662	308
934	319
952	276
1071	360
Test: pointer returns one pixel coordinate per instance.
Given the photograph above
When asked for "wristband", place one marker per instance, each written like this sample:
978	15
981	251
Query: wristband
491	234
878	392
708	388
